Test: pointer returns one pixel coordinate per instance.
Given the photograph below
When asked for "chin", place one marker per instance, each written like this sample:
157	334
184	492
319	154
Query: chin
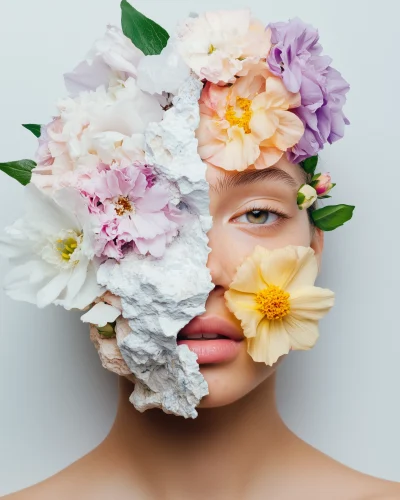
229	382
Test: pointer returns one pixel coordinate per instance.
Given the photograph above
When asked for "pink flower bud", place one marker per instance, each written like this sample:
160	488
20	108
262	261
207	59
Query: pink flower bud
323	184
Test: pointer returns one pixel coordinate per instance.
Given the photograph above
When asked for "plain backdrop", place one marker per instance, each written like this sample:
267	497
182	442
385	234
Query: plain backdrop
58	403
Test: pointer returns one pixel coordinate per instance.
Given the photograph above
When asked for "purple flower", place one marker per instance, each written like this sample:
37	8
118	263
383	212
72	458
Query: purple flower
296	58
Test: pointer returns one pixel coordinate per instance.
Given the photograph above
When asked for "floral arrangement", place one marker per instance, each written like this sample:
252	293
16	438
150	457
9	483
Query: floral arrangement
111	188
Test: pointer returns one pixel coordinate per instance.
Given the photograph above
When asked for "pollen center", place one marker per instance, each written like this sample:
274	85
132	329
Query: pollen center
273	302
123	206
67	247
240	114
211	49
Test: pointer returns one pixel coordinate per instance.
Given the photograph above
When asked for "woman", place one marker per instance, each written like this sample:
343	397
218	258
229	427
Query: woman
238	446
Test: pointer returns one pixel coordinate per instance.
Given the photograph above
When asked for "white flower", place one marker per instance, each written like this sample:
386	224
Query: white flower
51	249
96	127
220	45
306	196
113	57
163	73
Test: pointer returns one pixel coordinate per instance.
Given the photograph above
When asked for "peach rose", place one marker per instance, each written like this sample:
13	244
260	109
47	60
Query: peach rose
248	123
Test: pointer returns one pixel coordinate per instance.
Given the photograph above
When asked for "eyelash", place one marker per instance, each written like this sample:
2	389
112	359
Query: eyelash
257	208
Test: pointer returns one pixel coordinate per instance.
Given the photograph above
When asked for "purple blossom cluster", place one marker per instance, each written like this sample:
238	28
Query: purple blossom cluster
296	57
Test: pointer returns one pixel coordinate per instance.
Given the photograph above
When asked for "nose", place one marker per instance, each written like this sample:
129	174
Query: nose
219	258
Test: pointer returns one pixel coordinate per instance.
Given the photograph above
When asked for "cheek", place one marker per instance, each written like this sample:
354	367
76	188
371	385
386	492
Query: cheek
231	245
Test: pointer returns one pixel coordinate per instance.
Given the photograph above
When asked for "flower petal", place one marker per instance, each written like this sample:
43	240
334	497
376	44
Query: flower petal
270	343
101	314
306	270
278	266
311	303
248	276
240	151
303	334
52	290
243	306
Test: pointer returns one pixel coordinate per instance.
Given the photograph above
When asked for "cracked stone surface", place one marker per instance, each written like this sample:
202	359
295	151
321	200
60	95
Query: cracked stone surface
160	296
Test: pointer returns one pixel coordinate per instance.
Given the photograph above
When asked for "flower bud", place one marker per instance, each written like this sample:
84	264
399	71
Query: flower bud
107	331
306	196
323	184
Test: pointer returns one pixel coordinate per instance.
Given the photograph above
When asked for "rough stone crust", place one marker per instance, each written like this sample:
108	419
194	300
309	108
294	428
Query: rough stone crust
160	296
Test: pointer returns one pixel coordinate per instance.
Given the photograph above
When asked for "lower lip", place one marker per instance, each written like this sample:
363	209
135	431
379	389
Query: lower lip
213	351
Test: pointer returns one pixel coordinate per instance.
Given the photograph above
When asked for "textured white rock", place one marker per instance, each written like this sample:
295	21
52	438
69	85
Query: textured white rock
160	296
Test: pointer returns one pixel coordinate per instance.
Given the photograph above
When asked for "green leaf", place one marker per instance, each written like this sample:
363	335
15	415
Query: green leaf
147	35
19	170
325	196
332	216
300	198
310	164
34	128
316	176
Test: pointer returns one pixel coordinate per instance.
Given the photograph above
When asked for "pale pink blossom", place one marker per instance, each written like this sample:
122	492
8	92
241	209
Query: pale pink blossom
248	123
323	184
220	45
96	127
131	211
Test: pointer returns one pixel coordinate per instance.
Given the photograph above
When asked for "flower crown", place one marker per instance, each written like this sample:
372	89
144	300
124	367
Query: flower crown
117	202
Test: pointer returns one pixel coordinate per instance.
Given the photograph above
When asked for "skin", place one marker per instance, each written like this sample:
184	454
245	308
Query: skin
238	447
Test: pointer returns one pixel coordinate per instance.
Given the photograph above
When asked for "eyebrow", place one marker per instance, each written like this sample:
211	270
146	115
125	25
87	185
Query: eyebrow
252	176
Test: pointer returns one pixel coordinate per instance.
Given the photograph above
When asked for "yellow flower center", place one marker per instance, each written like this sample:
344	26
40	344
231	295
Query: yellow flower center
123	205
273	302
67	247
211	49
240	114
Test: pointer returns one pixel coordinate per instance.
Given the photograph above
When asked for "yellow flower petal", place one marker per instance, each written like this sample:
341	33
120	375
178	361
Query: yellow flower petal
278	266
248	276
311	303
303	334
243	306
270	343
306	270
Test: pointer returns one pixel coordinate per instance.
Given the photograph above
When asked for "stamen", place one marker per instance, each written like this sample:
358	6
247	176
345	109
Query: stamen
67	247
273	302
242	120
123	205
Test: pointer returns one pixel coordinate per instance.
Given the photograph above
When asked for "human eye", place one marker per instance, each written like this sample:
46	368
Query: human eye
260	216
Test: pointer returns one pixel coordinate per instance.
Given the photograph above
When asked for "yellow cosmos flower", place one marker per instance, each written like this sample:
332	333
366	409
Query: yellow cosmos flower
274	297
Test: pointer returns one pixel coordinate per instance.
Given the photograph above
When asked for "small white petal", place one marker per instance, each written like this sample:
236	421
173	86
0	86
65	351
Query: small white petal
101	314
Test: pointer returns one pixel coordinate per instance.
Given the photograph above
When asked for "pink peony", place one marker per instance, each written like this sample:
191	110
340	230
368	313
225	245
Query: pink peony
220	45
132	211
248	123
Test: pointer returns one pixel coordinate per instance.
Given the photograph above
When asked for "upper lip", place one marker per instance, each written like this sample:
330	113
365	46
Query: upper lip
212	324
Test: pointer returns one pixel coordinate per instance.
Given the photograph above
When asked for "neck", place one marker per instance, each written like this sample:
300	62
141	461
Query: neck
234	440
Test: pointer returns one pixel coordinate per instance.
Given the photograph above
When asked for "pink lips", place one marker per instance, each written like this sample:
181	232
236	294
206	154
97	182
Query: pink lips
213	339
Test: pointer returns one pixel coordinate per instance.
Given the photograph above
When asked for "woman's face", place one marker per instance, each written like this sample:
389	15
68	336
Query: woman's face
249	208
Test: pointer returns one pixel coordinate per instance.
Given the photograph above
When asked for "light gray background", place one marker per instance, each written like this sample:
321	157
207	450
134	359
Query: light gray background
57	403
